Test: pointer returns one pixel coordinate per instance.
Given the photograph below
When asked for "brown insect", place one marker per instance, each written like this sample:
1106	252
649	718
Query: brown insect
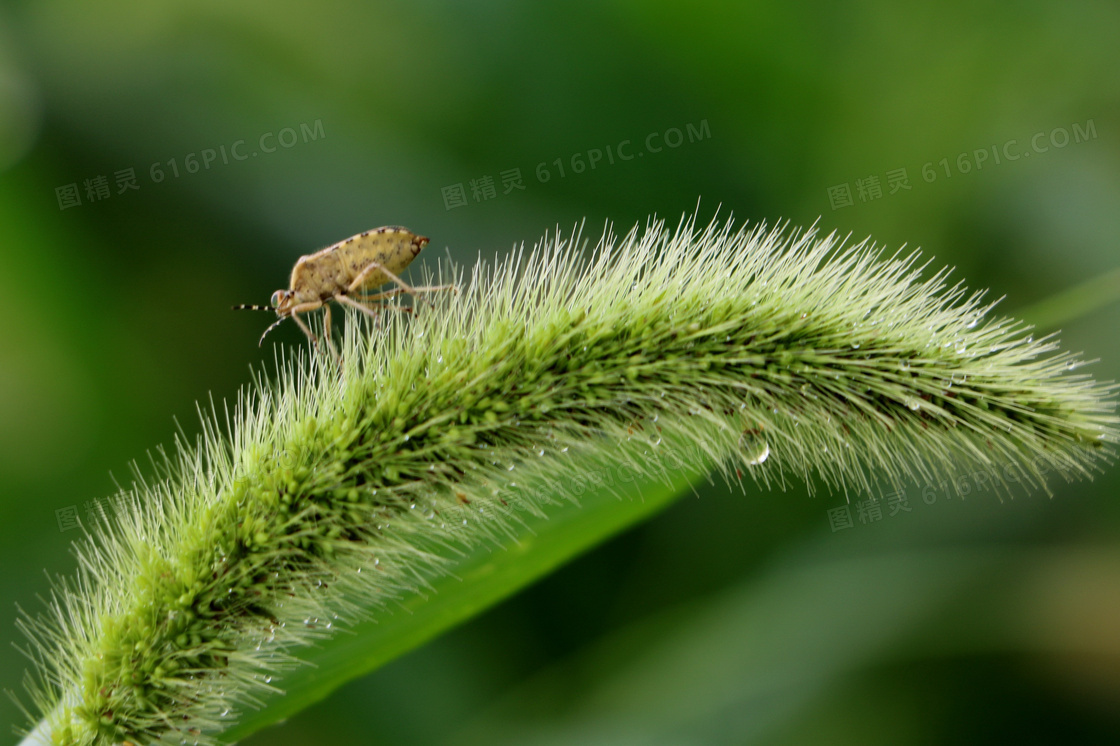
342	272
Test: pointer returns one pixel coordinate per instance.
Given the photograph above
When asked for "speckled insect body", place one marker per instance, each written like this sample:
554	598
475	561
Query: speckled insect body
342	271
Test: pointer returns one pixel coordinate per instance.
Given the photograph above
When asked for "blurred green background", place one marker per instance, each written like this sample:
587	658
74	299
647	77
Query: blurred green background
731	617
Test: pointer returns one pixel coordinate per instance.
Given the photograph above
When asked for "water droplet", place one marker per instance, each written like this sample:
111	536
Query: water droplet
759	456
913	403
755	449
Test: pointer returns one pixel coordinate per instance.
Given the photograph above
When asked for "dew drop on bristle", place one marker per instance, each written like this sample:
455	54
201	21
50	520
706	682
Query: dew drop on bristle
755	449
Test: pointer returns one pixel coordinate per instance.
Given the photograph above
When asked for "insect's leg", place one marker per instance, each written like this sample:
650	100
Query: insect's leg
404	286
314	339
355	304
379	296
369	269
327	331
363	308
398	291
310	334
387	306
433	288
374	300
304	308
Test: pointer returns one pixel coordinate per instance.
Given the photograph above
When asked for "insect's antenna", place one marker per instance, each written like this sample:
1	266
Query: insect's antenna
250	307
272	326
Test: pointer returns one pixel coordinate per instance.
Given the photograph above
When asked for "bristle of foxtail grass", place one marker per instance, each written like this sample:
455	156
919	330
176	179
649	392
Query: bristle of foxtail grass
328	491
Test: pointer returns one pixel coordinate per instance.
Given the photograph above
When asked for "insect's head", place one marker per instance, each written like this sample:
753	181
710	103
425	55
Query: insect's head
282	302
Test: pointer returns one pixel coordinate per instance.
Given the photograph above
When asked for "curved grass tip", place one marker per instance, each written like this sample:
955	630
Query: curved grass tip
781	354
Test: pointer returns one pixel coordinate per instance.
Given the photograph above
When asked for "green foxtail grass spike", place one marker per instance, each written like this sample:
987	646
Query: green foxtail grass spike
331	490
